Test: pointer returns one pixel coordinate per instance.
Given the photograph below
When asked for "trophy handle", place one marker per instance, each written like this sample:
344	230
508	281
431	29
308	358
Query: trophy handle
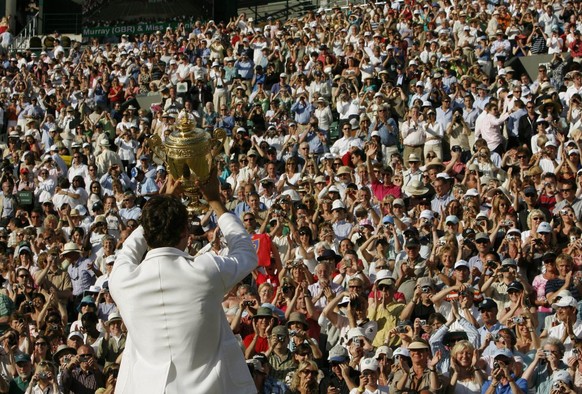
157	147
218	137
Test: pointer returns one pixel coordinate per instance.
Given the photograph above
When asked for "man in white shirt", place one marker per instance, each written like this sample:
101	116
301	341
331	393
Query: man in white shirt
342	145
491	128
570	327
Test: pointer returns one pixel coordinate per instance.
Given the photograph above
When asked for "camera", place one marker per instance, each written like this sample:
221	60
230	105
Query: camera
281	338
511	237
401	330
358	342
496	365
247	303
491	263
43	375
547	353
84	358
575	352
517	319
292	333
557	385
422	322
426	289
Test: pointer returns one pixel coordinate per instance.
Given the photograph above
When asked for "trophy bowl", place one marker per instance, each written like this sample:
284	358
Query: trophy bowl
187	153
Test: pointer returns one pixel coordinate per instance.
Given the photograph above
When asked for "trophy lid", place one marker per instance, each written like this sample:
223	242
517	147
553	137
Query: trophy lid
187	134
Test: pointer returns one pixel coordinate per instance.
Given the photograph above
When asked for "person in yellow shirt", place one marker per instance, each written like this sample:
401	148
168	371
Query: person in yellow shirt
385	310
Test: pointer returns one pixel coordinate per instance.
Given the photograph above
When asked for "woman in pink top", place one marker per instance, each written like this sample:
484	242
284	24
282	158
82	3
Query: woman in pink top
549	272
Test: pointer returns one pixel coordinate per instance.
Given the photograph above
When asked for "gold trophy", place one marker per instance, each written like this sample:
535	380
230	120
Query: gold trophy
188	155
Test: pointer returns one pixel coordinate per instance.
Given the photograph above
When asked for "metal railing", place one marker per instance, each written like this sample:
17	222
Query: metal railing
30	30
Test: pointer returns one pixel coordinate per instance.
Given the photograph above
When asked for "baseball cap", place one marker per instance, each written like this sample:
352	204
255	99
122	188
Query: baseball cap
515	285
384	277
355	332
452	219
398	201
472	193
502	352
338	353
561	376
564	302
487	303
427	214
387	219
544	227
481	236
508	262
369	364
383	350
461	263
401	352
22	358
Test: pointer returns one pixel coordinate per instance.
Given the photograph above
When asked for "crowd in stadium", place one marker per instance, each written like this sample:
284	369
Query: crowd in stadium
414	190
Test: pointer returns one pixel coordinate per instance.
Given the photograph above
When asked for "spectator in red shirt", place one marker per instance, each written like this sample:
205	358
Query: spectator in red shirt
258	342
576	45
386	186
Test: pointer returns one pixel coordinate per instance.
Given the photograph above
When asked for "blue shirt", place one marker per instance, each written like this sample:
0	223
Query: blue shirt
315	144
226	123
81	276
242	207
342	229
438	203
244	69
146	186
470	116
513	122
500	389
483	331
302	111
388	132
480	103
444	117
